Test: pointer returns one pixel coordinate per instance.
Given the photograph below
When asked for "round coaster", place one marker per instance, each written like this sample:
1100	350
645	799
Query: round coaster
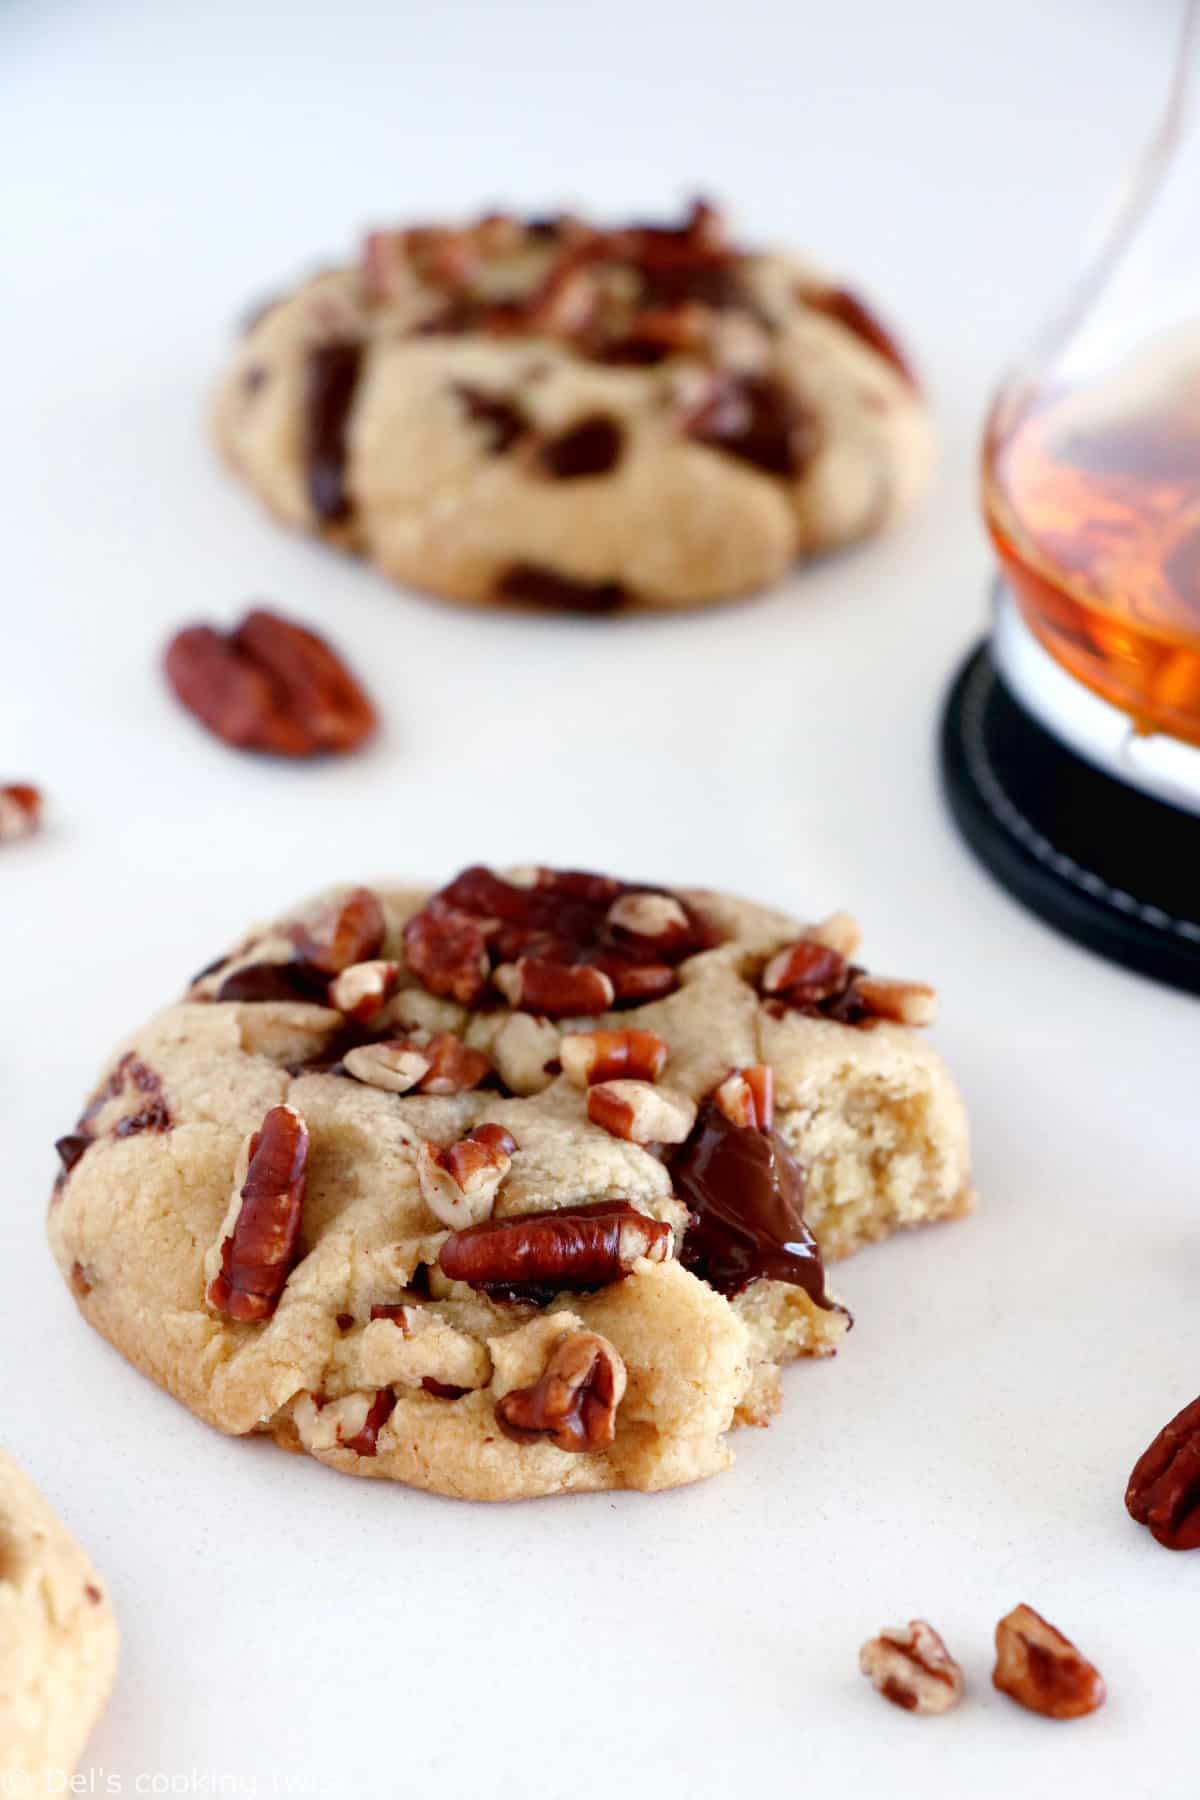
1111	867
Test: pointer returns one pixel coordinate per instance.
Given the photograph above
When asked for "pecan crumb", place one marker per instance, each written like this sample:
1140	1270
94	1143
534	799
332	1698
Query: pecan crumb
911	1666
20	811
1042	1670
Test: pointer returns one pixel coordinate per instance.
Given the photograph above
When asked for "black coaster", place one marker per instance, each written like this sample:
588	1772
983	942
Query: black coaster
1111	867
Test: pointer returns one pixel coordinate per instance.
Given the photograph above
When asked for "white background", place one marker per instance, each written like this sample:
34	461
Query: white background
163	165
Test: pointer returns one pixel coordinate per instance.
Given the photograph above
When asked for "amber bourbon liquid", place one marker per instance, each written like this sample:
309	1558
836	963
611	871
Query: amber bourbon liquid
1093	500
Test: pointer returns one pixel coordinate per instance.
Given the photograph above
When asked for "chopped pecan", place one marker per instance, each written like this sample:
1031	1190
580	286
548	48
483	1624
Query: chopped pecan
263	1234
396	1313
747	1097
1041	1669
554	989
447	951
574	1401
1164	1488
522	1049
590	1056
20	811
269	685
396	1064
459	1182
641	1112
364	988
657	917
349	931
811	976
840	931
365	1441
542	1253
911	1667
453	1067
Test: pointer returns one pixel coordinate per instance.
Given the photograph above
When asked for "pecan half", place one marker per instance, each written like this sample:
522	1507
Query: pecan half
747	1097
263	1237
1042	1670
364	988
1164	1488
347	932
574	1402
538	1254
269	685
447	951
365	1441
590	1056
911	1667
20	811
641	1112
459	1182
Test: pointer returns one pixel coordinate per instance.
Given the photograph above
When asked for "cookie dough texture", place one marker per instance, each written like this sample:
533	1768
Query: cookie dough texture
58	1642
871	1112
560	416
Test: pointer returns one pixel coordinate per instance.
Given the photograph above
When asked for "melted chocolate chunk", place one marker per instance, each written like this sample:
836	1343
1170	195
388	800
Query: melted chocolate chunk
504	421
591	447
714	284
758	420
70	1149
536	586
294	980
332	377
745	1192
155	1115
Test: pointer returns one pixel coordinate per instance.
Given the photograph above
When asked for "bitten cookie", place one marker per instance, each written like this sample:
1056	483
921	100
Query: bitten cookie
513	1189
555	415
58	1642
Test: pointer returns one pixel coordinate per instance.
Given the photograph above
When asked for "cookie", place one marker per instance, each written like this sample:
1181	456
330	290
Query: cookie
554	415
517	1188
58	1642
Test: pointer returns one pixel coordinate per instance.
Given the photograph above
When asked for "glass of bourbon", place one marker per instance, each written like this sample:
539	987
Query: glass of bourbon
1091	456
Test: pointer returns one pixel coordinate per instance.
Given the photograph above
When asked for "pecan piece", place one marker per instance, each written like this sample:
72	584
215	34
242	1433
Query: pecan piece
396	1065
575	1248
347	932
904	1002
269	685
657	917
262	1234
447	951
453	1067
20	811
640	1112
574	1402
365	1441
590	1056
747	1097
459	1182
1042	1670
911	1667
364	988
1164	1488
554	989
806	973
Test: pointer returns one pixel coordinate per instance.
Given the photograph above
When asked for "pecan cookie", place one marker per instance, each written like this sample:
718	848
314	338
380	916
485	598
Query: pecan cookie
551	414
58	1642
512	1189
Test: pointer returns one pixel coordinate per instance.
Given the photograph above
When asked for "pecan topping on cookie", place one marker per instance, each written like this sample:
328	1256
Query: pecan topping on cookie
1164	1488
640	1112
745	1192
574	1402
811	976
550	943
459	1182
591	1056
364	988
539	1254
20	811
365	1441
911	1667
349	931
1042	1670
747	1097
441	1065
262	1232
269	685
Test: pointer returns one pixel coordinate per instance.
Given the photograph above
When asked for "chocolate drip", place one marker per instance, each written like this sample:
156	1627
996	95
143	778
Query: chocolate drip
745	1192
332	377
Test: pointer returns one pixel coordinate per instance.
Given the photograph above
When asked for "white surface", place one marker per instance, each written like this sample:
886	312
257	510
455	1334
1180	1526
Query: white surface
163	165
